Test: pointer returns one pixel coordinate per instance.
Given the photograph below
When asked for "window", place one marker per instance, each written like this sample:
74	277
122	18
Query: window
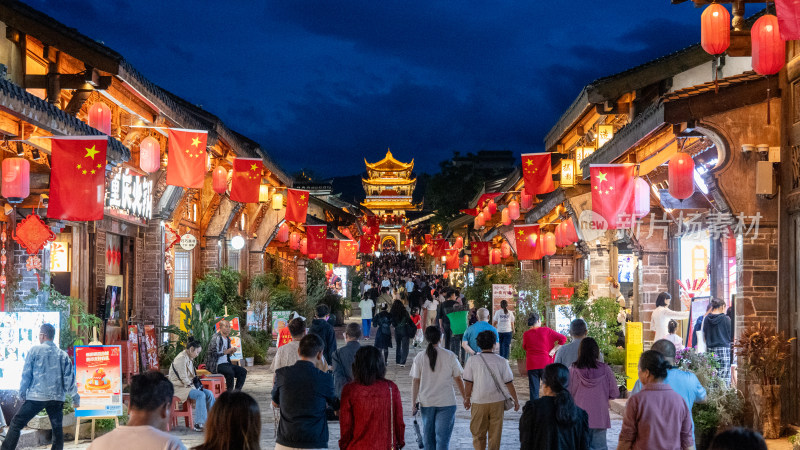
183	275
233	258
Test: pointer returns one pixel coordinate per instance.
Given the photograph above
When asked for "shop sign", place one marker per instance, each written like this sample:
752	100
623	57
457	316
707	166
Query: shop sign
561	294
502	292
188	242
98	375
129	197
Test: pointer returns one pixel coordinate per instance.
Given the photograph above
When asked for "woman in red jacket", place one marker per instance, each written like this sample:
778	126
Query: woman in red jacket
375	401
540	344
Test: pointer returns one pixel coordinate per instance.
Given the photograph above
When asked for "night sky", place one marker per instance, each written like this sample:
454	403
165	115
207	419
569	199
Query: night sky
322	84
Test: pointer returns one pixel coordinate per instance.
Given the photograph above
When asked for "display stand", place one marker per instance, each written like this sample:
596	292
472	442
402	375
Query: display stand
78	426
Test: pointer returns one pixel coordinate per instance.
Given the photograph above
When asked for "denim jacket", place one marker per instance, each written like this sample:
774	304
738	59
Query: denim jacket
47	374
215	350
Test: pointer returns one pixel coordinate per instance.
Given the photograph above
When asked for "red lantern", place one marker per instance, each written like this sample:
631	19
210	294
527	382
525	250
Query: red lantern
504	217
513	210
681	176
365	229
283	232
526	200
304	246
486	213
480	220
641	201
715	29
492	207
219	180
495	256
505	250
570	235
16	179
294	240
769	50
549	241
149	155
459	242
100	117
466	259
560	235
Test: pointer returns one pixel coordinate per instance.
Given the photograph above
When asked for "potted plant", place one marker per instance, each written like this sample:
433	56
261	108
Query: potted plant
795	441
764	361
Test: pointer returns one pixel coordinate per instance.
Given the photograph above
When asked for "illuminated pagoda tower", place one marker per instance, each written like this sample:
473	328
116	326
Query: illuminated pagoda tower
389	188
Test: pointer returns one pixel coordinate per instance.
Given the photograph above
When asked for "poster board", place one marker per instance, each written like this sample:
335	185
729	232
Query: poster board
280	319
634	346
236	339
19	332
151	347
698	308
182	315
133	349
502	292
98	375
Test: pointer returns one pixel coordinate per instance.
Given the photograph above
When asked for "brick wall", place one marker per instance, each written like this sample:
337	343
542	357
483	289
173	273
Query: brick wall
599	270
561	270
653	274
149	261
757	299
210	256
26	280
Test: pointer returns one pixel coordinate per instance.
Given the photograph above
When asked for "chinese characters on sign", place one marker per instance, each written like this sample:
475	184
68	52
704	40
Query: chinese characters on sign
130	197
98	374
716	224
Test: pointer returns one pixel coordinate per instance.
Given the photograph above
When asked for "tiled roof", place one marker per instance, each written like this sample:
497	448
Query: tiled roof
710	86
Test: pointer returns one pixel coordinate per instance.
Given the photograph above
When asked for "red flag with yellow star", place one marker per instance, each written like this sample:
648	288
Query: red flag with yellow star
348	253
186	159
331	253
77	178
526	238
296	205
246	179
439	247
612	193
315	239
451	259
537	173
480	253
368	243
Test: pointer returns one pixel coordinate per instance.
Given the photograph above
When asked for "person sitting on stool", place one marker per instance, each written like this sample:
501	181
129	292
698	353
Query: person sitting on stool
182	374
218	358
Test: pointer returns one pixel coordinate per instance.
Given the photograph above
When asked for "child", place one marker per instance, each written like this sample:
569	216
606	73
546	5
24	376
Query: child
418	322
672	337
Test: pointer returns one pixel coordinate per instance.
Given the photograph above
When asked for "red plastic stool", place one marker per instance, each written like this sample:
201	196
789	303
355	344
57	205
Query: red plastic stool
185	411
215	384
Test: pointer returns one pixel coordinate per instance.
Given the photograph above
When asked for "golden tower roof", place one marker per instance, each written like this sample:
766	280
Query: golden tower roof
388	163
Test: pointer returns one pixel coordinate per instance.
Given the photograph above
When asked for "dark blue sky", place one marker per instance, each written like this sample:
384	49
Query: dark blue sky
322	84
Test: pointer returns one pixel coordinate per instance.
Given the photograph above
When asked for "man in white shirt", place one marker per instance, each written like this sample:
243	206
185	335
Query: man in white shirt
386	283
287	354
366	305
151	400
409	285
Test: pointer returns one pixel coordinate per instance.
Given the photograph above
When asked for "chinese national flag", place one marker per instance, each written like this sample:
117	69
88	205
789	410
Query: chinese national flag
788	12
527	239
374	224
331	253
186	160
367	243
77	178
246	179
348	253
537	173
480	253
428	239
315	239
439	247
296	205
612	193
451	261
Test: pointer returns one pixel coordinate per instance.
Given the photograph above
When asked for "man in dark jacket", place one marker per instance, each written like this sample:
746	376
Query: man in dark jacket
415	298
218	357
302	392
324	330
343	358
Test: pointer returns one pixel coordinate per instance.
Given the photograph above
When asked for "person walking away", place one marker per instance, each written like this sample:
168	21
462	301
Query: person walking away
662	315
672	327
738	438
148	415
322	328
383	331
415	317
414	297
287	354
403	331
469	341
366	305
433	373
484	378
182	375
371	414
568	354
656	417
235	422
554	421
343	358
385	297
540	344
446	307
218	357
47	379
717	330
302	394
592	384
430	306
503	321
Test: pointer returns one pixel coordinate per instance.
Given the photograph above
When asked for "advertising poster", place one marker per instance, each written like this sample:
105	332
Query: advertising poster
634	346
236	339
98	374
280	319
562	319
19	331
182	315
151	346
699	305
340	273
502	292
133	349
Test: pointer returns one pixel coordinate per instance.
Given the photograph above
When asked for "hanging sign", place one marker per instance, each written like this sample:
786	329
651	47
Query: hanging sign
129	197
98	374
188	242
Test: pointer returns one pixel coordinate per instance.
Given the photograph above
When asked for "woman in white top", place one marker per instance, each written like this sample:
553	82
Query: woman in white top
674	338
430	307
662	315
503	320
434	373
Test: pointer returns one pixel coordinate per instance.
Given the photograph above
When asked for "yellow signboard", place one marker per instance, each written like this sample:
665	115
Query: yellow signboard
634	346
182	316
567	172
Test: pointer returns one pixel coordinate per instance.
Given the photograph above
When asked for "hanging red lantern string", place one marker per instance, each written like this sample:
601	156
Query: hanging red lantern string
769	50
100	117
16	179
495	256
526	200
715	33
505	250
549	240
304	246
570	235
560	235
504	217
681	176
641	201
283	232
149	155
219	180
459	242
492	207
294	240
513	210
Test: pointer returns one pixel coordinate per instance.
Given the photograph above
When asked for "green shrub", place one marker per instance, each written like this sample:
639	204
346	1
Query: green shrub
615	356
219	289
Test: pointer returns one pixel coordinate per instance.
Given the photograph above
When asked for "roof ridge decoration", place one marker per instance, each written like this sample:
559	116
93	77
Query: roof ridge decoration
389	163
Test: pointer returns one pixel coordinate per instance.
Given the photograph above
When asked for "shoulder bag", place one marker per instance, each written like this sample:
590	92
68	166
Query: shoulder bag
701	338
508	403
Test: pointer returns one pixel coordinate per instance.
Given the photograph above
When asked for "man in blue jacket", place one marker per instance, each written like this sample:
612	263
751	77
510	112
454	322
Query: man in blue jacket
302	392
322	328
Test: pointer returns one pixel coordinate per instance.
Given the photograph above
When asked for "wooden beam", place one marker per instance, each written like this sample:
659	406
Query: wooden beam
710	103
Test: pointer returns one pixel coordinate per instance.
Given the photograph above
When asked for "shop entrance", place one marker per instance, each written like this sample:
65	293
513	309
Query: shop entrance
791	407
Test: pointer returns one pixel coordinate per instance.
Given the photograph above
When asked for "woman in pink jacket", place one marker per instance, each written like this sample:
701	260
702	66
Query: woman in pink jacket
592	384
